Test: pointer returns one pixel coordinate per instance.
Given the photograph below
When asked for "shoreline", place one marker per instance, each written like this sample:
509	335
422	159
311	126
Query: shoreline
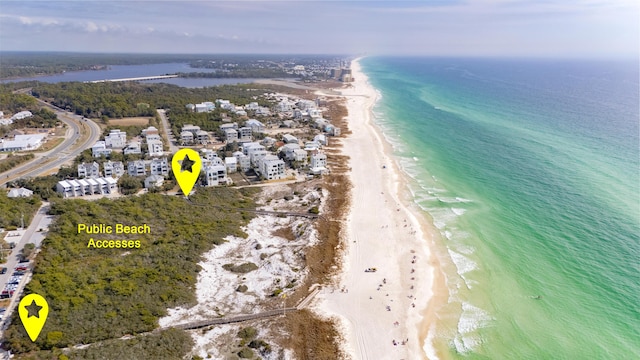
390	311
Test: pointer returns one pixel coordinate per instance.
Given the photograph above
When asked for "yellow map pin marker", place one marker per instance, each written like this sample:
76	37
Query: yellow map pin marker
33	310
186	165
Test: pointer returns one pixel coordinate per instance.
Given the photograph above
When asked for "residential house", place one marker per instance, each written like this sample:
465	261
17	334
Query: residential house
159	166
153	181
154	147
113	169
116	139
289	139
272	168
100	149
318	164
186	137
20	192
255	125
137	168
231	163
90	170
321	139
21	115
133	147
230	135
215	175
244	163
245	134
202	137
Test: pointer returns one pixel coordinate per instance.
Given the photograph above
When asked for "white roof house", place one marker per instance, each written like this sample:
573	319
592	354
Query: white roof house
21	115
132	148
155	148
318	163
20	192
99	149
215	175
116	139
153	180
191	128
255	125
23	142
231	163
272	168
289	139
230	135
186	137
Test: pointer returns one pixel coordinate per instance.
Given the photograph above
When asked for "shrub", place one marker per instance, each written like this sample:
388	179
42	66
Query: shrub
245	353
242	268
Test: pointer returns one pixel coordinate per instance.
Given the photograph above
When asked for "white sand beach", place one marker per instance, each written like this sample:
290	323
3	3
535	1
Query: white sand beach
381	312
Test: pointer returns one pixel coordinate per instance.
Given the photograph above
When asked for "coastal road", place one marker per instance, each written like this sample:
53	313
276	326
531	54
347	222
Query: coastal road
167	130
34	234
71	147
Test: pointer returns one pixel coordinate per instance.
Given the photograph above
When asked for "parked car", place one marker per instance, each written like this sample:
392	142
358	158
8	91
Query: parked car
3	270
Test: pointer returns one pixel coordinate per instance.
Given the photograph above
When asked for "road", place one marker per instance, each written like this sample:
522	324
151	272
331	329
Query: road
35	233
167	130
68	150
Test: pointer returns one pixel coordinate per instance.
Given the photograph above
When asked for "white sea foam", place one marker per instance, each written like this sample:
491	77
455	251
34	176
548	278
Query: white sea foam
428	348
462	263
458	211
471	319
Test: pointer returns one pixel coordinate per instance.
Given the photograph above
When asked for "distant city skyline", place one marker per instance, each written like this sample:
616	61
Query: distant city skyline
573	28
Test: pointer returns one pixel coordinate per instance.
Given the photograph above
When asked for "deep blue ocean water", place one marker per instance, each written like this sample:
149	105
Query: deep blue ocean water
530	171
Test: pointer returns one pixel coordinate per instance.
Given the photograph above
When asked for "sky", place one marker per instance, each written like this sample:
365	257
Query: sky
515	28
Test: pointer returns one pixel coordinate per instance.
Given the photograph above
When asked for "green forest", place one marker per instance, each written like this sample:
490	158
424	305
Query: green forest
100	294
11	210
117	100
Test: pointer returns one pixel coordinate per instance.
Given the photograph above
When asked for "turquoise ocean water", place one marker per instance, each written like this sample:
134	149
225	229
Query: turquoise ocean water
530	172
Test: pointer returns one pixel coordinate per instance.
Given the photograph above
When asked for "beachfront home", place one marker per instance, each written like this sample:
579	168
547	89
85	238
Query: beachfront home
90	170
244	163
247	148
318	164
256	156
231	163
215	175
321	139
116	139
289	151
113	169
271	168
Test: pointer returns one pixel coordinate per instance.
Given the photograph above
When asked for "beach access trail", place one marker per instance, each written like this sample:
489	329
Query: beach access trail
380	312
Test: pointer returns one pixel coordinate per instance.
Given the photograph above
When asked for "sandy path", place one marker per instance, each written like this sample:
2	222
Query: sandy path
378	308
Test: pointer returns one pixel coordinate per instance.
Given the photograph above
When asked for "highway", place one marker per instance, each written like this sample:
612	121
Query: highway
68	150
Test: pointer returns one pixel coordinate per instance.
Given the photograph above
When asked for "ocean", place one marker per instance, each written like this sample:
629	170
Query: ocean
530	172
